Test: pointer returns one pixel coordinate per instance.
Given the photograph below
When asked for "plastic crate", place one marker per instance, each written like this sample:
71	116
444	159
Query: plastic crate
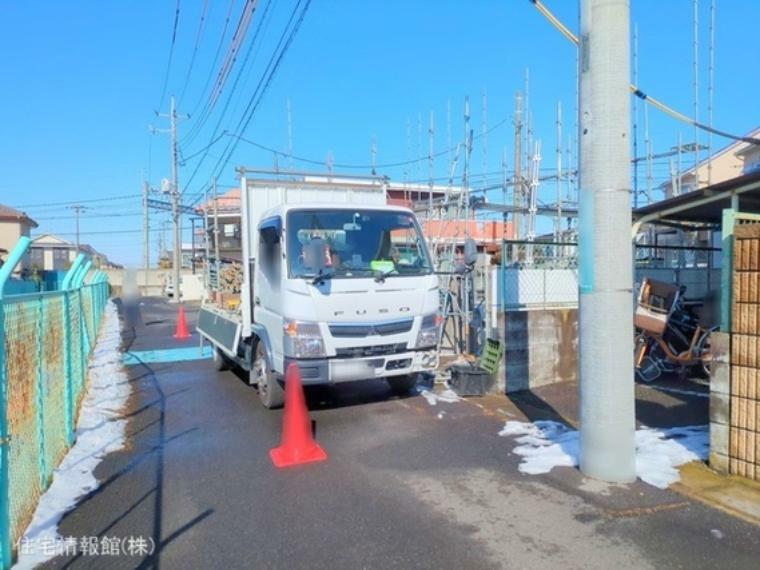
491	356
468	380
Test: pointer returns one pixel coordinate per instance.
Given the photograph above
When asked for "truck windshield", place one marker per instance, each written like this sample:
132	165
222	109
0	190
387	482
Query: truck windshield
355	243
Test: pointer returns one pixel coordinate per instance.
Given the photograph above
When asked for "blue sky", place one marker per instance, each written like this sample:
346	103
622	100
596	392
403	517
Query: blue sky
82	80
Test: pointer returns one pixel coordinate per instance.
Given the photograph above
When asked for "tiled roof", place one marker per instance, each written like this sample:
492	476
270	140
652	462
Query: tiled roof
8	213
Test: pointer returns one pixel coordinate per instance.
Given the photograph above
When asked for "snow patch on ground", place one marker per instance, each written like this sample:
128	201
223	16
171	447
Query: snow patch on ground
544	445
448	396
101	430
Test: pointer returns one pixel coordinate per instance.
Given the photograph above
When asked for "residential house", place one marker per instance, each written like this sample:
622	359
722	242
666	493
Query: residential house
49	252
13	225
728	162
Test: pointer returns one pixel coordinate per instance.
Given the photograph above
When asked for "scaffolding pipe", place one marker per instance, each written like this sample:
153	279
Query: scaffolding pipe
606	276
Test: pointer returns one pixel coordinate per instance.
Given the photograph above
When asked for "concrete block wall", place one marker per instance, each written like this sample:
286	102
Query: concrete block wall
540	348
720	397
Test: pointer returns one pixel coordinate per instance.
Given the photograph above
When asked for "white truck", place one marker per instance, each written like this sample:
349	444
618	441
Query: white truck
335	280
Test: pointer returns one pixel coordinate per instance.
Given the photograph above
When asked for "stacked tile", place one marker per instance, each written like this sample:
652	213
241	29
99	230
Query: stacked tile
744	430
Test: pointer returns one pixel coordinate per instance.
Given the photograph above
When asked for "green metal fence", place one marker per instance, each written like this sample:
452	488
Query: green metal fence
45	342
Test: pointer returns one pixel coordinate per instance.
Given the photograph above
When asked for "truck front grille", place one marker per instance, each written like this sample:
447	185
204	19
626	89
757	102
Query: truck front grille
377	350
360	330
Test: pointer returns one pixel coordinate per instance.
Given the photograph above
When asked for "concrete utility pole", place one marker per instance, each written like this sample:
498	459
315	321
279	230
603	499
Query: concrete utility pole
518	187
175	197
177	261
605	276
205	242
78	209
146	230
217	262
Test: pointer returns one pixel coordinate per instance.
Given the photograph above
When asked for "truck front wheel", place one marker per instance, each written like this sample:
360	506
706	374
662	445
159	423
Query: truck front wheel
271	392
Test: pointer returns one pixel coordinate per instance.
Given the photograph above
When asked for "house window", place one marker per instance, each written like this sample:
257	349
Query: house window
60	259
37	258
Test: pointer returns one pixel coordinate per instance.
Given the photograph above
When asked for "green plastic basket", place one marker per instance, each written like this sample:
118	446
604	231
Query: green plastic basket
489	360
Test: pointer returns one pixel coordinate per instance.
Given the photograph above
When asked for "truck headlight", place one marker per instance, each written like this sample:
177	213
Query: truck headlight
303	340
428	335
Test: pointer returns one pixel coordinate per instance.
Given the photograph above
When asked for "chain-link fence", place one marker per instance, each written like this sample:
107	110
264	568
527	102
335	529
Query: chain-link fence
45	341
545	275
538	274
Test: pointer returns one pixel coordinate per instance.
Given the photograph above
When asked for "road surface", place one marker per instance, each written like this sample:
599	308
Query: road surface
405	486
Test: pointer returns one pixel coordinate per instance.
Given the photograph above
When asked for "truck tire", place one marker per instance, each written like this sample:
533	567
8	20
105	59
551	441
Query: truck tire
402	385
220	360
271	392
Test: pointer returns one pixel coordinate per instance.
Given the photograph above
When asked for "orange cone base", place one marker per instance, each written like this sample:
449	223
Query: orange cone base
284	456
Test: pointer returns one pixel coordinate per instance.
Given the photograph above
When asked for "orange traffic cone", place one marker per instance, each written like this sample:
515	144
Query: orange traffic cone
298	445
182	332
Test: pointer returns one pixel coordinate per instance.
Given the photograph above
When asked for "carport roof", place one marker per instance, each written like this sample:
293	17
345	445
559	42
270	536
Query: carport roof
705	205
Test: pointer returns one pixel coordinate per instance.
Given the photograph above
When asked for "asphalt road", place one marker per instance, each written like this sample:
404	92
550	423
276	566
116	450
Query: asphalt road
404	487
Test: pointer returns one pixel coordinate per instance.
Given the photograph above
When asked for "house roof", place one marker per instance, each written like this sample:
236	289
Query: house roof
738	148
51	240
705	205
8	214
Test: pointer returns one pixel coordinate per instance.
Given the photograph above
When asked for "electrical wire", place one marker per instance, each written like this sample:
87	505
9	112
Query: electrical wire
198	37
275	60
394	164
185	159
240	73
74	202
225	69
216	58
638	92
171	55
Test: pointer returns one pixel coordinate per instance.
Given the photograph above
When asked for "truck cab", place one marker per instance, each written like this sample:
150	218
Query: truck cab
345	289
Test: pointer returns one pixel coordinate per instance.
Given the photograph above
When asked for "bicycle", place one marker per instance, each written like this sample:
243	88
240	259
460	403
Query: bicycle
669	337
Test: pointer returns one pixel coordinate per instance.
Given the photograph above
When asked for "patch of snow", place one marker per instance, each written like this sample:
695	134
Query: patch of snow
440	415
100	431
716	533
660	451
448	396
544	445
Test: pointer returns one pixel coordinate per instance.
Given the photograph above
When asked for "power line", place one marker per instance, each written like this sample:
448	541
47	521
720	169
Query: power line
225	69
275	60
70	203
89	217
185	159
216	56
241	70
641	94
198	37
171	55
394	164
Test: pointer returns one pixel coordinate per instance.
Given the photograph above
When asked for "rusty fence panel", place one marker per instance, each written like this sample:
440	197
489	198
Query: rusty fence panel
45	339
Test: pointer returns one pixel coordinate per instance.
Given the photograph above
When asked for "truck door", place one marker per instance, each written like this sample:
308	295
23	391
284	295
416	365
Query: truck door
267	297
